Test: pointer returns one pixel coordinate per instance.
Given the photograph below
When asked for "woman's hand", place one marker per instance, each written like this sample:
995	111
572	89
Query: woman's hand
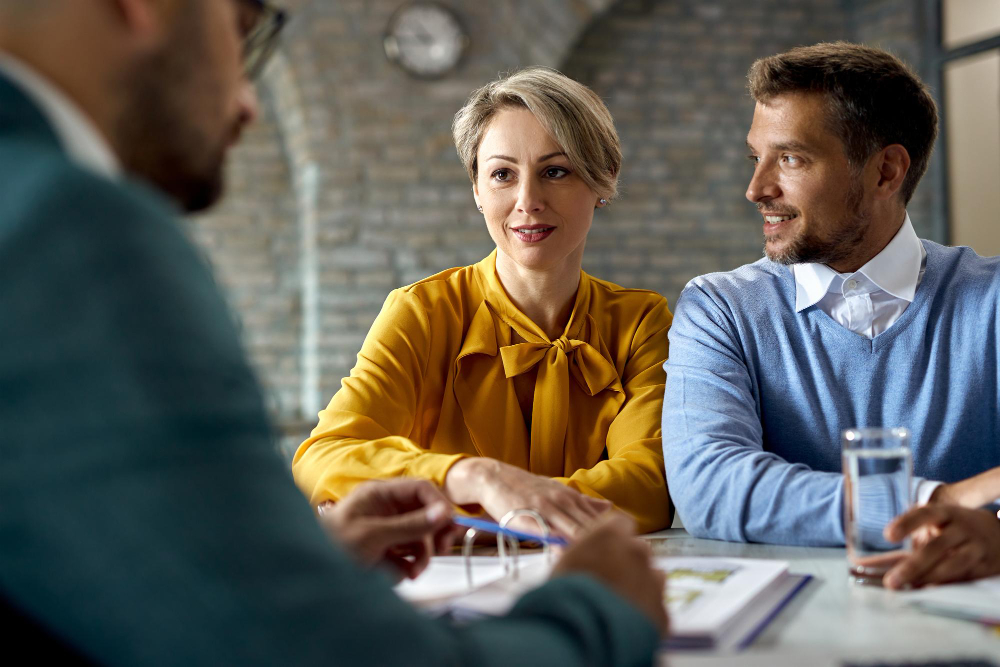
950	543
499	488
396	523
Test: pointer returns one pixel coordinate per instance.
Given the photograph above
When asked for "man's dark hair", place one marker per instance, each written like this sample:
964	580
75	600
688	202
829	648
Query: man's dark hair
874	99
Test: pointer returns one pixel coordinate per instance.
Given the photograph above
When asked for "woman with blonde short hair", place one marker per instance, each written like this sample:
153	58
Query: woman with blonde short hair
520	381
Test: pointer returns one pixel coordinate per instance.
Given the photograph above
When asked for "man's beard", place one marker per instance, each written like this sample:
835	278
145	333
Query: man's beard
157	135
841	244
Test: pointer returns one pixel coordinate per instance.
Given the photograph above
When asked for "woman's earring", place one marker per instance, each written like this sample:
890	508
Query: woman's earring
603	201
480	208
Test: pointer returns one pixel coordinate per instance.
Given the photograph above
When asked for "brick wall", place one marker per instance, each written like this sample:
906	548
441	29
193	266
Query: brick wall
906	28
674	76
349	186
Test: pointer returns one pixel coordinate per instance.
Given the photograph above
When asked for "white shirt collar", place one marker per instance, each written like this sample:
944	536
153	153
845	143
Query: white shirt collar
811	283
896	270
77	133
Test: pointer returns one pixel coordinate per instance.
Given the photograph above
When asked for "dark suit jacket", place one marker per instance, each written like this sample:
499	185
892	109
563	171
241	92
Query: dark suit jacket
145	517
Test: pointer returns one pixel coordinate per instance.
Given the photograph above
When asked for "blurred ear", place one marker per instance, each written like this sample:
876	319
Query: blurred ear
146	20
475	193
892	164
134	13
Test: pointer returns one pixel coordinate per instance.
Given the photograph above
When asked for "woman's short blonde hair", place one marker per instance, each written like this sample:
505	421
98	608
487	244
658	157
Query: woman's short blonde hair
571	113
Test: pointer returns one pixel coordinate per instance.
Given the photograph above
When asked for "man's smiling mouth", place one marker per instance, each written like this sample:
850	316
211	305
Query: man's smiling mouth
776	219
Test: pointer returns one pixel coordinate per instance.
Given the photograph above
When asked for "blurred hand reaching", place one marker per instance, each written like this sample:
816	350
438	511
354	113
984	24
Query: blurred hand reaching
397	524
611	553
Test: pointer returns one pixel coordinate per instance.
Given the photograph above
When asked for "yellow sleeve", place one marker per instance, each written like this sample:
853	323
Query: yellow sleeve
633	477
363	433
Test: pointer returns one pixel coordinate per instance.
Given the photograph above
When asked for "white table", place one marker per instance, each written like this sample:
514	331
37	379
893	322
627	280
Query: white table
832	621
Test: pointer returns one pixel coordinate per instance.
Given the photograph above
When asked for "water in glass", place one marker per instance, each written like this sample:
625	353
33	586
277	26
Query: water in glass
878	469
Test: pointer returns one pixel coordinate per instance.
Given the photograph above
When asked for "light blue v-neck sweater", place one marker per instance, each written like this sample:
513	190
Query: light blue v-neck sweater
757	395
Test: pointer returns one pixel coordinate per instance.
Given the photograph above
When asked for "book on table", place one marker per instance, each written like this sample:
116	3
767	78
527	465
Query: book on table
714	602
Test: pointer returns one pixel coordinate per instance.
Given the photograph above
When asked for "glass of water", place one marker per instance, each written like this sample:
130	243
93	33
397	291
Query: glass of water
878	469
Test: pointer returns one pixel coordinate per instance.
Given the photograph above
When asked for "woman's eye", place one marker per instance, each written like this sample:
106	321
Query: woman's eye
501	175
556	172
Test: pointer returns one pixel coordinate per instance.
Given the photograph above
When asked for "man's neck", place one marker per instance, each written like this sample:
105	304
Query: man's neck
883	226
77	131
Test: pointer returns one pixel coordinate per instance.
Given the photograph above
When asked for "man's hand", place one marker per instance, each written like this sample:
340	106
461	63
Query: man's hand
611	553
950	544
499	488
972	492
397	523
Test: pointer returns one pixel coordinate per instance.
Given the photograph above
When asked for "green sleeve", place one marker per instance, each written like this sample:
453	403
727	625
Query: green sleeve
572	620
145	517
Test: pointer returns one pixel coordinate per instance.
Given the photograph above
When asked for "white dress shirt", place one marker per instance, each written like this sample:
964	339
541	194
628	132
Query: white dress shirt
871	299
79	136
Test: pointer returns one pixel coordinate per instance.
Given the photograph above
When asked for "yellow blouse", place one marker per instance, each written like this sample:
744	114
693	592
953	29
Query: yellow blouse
434	383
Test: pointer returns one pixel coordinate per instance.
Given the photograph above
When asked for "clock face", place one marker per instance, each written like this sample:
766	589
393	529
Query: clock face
425	39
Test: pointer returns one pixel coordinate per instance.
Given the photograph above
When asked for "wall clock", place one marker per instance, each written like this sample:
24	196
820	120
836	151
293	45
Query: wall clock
426	39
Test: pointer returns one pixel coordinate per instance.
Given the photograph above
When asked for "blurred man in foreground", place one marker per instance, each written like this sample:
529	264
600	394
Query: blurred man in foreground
146	518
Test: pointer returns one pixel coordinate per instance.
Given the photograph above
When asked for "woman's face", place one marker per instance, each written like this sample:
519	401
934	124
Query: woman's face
537	209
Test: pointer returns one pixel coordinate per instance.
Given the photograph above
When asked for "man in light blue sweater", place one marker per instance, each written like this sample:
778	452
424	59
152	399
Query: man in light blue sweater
849	321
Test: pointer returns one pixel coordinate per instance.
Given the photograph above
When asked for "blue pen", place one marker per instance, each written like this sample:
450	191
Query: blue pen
490	527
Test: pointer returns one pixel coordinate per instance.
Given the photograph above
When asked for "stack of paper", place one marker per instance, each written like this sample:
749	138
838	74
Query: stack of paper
445	583
720	603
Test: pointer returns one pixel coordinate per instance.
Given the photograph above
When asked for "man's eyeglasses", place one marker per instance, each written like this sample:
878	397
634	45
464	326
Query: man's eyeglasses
260	23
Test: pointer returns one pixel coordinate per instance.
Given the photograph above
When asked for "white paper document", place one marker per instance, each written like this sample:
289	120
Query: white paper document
719	603
974	601
445	581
